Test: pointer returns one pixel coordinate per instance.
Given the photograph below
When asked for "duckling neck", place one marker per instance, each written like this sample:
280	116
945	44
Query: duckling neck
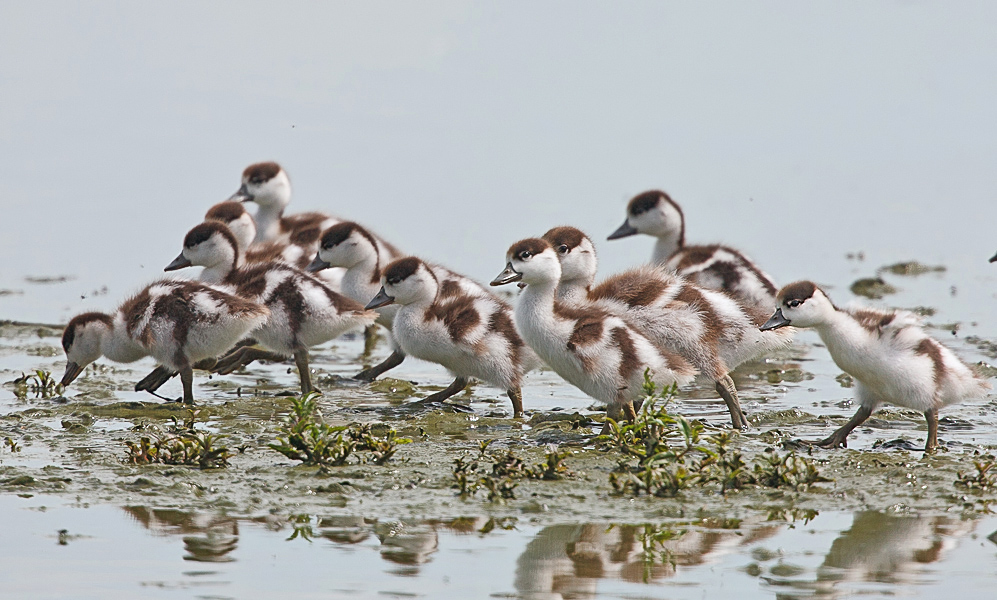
573	291
268	223
666	246
218	272
535	310
363	275
117	345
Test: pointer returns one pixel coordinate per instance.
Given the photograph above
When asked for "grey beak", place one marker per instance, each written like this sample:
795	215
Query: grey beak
508	275
381	299
241	195
775	321
317	265
622	231
73	371
993	258
178	263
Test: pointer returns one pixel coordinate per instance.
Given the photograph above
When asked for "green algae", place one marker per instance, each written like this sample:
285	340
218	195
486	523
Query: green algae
874	288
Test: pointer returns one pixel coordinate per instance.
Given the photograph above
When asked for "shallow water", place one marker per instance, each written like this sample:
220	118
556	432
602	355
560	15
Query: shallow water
827	142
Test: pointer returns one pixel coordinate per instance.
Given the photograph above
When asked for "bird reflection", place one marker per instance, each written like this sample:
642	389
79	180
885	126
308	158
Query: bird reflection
215	535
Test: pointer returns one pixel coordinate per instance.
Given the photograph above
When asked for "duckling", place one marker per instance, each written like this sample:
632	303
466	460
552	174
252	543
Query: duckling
456	323
888	354
352	247
706	327
297	251
716	267
304	311
267	185
594	350
179	323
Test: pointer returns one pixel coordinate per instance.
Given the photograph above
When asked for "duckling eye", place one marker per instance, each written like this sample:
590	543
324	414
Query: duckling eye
393	280
525	255
794	303
563	248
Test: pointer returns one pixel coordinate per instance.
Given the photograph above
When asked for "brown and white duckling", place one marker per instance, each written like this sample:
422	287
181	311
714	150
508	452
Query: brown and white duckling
458	324
708	328
267	185
888	354
179	323
297	251
363	256
594	350
304	311
714	266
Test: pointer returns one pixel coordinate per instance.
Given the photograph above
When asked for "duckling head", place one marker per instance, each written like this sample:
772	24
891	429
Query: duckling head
81	341
345	244
652	213
266	184
531	261
575	252
801	304
235	216
210	244
406	281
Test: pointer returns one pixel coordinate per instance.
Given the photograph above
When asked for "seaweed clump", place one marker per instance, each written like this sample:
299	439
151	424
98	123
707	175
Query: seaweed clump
665	454
471	474
179	444
304	437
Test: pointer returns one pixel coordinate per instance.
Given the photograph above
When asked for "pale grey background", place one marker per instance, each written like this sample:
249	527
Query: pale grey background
795	131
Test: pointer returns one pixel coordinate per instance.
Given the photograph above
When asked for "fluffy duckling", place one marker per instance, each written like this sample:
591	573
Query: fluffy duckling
179	323
887	352
363	256
716	267
267	185
706	327
591	348
297	251
457	324
304	311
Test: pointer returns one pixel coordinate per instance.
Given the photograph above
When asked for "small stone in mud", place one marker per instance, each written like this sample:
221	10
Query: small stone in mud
872	287
911	268
393	388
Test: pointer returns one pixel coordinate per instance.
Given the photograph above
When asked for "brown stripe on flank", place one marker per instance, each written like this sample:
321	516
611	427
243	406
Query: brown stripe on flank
588	324
630	287
933	350
798	290
711	322
226	212
261	172
871	319
629	362
566	236
458	315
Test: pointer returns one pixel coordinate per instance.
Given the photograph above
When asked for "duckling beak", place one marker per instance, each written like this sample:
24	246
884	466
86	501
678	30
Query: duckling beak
508	275
775	321
73	371
622	231
317	265
178	263
241	195
993	258
381	299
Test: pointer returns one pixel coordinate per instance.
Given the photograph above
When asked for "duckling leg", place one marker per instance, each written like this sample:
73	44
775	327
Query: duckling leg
301	359
628	412
242	357
155	380
839	437
456	387
187	379
516	395
932	442
725	387
369	339
393	360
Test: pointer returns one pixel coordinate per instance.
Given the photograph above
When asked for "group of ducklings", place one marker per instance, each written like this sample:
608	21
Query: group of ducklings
272	286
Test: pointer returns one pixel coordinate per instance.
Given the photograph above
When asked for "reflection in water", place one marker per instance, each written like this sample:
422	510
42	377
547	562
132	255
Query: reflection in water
880	548
568	561
217	537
